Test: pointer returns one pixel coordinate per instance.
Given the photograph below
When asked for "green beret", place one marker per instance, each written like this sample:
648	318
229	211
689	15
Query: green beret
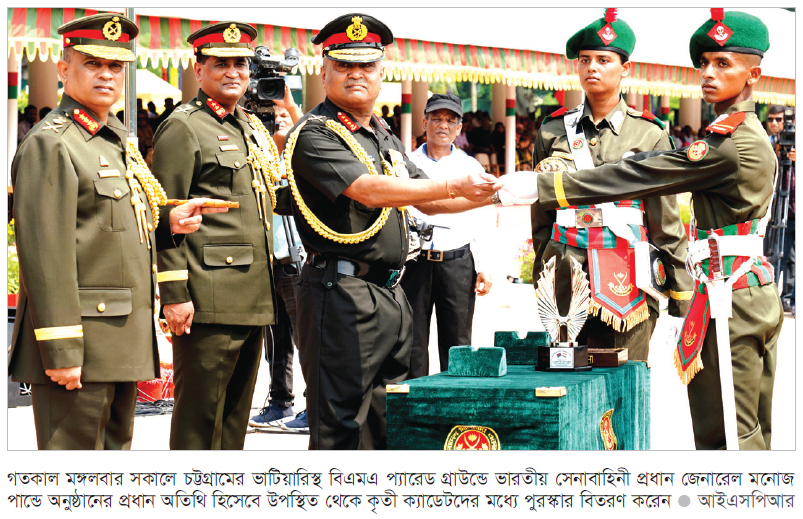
733	31
607	33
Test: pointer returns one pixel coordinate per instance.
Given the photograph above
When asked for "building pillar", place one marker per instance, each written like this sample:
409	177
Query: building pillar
631	100
573	98
499	97
13	109
690	113
313	91
510	129
473	91
419	103
43	84
665	108
189	85
406	121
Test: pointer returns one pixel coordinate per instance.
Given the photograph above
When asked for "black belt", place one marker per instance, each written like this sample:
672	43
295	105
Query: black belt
387	278
444	255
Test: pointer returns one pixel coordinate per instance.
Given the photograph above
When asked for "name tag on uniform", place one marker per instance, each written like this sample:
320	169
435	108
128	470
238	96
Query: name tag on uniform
229	147
105	173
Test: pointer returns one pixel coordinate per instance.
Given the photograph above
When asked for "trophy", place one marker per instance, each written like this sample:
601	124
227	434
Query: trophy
563	353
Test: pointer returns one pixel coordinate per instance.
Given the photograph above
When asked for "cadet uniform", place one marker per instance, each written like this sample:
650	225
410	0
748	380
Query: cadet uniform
730	173
619	309
87	262
358	334
202	150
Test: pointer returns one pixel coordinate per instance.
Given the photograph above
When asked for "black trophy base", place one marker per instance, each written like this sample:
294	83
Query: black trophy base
562	356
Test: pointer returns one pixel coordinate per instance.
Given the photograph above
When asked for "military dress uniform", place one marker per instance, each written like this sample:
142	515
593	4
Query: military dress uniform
730	173
87	265
622	315
202	150
358	335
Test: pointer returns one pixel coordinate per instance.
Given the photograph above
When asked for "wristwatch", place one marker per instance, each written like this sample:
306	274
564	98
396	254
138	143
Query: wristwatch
495	198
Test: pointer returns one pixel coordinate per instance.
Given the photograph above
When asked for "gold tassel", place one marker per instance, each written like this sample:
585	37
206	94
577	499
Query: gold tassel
689	373
641	314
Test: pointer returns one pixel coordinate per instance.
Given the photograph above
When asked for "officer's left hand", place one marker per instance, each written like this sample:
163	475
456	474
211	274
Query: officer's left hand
483	284
70	378
186	218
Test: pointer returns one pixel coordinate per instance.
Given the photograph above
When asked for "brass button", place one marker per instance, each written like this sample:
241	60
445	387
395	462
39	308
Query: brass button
236	163
154	268
101	307
593	141
198	103
229	259
117	193
267	226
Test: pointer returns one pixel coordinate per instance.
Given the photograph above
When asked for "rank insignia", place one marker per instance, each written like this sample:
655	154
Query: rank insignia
357	31
55	125
720	33
471	438
606	430
85	120
351	125
215	106
697	151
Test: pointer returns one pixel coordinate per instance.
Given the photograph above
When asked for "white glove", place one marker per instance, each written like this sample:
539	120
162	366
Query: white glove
520	184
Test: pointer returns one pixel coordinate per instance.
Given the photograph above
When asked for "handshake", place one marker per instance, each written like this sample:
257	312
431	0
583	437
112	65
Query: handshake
519	187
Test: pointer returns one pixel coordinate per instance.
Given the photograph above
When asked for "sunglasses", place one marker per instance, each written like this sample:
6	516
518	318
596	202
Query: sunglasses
775	119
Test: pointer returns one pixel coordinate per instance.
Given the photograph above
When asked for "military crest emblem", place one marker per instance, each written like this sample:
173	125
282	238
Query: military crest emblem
607	34
112	30
720	33
577	144
697	151
231	34
606	430
357	31
471	438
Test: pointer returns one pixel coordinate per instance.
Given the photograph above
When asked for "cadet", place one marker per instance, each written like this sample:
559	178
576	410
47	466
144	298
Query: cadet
350	182
603	130
730	173
85	209
218	283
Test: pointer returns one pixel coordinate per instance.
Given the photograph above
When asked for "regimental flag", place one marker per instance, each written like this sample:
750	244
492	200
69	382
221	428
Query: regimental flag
614	296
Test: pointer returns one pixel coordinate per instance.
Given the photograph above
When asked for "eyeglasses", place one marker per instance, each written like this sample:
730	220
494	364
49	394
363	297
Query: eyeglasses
775	119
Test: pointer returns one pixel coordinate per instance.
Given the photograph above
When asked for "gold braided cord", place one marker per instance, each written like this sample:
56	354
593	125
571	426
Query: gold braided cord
257	158
313	221
141	179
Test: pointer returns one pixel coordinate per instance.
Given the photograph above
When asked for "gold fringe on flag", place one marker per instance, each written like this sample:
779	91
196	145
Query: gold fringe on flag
639	315
687	374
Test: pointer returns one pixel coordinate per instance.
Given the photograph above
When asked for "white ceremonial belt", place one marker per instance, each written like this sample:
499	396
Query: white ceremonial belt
599	217
744	245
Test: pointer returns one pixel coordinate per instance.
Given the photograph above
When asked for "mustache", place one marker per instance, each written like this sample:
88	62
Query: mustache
356	83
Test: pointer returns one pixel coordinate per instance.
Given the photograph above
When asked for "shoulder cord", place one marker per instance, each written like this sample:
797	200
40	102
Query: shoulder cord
141	179
269	168
313	221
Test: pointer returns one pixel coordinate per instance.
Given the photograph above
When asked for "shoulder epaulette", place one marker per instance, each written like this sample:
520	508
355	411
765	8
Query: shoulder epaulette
560	112
727	125
646	114
186	108
55	123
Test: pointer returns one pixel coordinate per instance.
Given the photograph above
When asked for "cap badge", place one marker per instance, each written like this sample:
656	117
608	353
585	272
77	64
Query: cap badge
231	34
357	31
112	30
607	34
720	33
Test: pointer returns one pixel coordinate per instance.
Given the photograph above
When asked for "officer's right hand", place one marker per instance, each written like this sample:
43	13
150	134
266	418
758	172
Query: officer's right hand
475	186
179	317
68	377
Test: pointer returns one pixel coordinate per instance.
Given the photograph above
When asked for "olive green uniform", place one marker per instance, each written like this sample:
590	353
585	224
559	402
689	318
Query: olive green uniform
358	337
223	268
622	132
86	282
730	184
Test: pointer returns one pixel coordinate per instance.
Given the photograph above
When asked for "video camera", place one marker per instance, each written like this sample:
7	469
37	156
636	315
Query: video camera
267	82
786	138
